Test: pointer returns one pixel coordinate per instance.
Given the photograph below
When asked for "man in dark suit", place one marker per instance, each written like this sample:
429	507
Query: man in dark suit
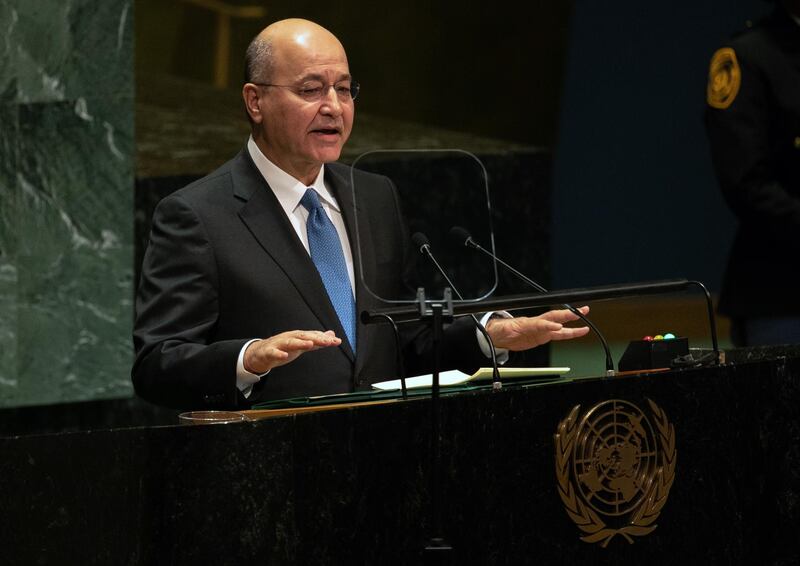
753	124
248	288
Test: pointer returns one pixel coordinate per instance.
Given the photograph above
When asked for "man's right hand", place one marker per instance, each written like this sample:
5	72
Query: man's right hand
263	355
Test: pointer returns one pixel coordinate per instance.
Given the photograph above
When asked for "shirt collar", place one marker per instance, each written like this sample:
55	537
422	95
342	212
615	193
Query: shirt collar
288	190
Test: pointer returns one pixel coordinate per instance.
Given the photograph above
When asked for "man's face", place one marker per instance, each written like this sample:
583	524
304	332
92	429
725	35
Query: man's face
299	133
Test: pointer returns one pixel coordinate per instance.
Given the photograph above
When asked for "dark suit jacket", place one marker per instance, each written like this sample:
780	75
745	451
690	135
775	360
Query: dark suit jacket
224	265
755	145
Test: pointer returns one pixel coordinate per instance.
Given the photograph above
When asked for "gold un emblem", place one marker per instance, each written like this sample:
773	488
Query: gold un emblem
615	469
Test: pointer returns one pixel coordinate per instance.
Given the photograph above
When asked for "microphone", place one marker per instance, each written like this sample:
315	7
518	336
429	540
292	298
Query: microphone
463	237
421	241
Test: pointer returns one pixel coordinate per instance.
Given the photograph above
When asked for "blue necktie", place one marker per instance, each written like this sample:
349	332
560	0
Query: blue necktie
326	253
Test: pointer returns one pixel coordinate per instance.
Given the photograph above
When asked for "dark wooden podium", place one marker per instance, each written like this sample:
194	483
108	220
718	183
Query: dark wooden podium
350	485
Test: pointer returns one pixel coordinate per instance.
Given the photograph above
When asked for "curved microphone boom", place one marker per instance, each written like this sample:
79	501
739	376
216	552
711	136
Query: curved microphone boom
463	237
421	241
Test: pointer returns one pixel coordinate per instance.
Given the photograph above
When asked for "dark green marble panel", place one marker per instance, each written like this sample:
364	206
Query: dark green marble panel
74	253
66	158
8	267
8	83
53	51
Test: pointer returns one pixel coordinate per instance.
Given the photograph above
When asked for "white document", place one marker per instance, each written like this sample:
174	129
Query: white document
455	377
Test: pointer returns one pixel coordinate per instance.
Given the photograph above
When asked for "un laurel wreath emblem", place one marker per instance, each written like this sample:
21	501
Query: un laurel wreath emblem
615	469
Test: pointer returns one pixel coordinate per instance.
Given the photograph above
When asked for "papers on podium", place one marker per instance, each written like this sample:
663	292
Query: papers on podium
455	377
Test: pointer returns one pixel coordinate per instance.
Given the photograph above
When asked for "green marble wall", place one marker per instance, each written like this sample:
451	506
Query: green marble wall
66	200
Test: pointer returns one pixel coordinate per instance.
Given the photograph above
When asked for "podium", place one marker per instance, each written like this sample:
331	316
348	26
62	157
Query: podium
349	485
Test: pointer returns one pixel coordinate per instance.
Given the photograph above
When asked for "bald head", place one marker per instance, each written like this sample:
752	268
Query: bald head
281	39
298	95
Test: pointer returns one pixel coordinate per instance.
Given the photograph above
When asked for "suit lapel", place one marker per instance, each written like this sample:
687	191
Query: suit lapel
266	220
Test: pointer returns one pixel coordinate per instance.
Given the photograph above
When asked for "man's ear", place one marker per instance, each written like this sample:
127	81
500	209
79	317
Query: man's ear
251	98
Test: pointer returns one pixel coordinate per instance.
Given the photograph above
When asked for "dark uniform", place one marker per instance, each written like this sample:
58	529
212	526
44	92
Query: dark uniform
753	124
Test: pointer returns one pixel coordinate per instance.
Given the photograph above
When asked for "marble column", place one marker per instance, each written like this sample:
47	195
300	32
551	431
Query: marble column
66	200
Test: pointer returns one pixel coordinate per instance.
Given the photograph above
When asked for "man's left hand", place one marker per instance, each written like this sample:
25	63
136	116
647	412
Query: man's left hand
523	333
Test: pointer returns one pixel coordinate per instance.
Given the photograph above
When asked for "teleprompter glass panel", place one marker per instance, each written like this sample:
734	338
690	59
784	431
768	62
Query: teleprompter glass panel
433	192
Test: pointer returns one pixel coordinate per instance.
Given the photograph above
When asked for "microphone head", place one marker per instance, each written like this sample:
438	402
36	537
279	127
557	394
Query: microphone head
420	240
461	236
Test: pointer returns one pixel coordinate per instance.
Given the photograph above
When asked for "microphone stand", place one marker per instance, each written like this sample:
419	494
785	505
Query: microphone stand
437	549
401	367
